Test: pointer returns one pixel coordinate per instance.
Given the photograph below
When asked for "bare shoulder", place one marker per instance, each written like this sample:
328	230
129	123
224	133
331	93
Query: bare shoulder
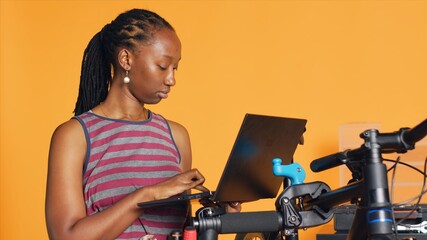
180	133
177	128
70	130
68	141
70	125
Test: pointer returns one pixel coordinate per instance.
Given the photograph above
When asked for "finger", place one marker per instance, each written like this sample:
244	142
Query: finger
233	207
196	175
201	188
196	178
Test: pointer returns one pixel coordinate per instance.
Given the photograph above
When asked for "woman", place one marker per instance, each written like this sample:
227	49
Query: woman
114	152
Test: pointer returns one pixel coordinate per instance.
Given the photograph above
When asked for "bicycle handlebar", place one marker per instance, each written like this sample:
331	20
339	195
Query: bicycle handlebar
415	134
242	222
399	142
250	221
335	160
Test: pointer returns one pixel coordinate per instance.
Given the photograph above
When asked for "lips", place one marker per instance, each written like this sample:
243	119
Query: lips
164	94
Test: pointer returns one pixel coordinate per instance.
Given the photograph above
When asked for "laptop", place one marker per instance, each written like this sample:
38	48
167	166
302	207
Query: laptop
248	174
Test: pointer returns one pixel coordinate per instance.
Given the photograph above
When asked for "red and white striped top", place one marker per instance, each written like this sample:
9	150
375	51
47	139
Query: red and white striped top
124	156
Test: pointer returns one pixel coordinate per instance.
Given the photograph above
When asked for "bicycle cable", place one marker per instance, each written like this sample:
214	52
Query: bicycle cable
417	197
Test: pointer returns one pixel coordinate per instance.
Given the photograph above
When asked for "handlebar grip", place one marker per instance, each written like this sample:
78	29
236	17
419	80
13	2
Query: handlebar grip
328	162
415	134
269	221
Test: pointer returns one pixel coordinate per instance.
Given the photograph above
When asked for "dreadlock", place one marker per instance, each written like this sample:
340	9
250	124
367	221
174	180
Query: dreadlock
129	29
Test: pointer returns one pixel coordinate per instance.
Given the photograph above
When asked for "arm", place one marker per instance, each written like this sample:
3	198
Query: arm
65	208
182	141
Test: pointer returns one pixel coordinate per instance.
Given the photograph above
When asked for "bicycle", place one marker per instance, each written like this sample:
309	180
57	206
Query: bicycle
303	205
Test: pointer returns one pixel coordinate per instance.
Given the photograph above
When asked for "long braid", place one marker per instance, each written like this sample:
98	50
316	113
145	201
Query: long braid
95	77
129	29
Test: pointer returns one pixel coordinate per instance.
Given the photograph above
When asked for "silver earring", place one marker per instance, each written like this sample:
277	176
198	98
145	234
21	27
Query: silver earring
126	79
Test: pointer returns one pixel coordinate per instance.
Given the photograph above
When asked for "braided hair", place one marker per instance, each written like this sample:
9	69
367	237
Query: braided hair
129	29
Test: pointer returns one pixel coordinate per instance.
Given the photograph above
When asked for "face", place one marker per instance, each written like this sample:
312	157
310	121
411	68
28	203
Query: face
153	67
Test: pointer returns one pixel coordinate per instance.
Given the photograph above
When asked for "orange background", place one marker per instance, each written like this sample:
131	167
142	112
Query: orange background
331	62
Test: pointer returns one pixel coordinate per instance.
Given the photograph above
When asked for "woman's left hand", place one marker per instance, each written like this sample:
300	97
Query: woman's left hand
233	207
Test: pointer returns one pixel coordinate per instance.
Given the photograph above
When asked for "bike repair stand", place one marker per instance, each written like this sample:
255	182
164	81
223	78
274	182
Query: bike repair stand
290	202
293	174
289	216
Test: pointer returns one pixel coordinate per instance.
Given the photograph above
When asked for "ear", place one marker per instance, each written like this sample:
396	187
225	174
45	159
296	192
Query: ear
124	58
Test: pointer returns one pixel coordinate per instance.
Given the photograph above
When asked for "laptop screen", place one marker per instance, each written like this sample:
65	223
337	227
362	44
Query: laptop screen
248	174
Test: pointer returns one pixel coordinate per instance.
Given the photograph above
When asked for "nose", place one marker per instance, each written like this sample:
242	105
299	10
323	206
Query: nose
170	80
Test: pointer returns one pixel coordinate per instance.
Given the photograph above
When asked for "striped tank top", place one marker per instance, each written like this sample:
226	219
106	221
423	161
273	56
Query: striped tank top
123	156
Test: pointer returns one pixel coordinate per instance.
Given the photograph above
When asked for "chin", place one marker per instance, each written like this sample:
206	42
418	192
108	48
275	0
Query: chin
153	101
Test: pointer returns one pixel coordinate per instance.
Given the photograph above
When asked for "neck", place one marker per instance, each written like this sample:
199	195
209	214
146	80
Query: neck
120	111
120	104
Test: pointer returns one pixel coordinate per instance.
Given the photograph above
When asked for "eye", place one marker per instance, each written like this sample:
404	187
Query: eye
162	68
